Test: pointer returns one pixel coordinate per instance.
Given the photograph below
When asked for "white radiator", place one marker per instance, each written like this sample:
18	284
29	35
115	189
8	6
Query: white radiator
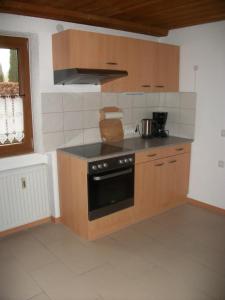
24	196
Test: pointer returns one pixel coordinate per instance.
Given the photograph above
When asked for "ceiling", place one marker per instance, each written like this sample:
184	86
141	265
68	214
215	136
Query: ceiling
153	17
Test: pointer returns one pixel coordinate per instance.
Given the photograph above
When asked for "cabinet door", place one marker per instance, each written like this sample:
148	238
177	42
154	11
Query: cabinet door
83	49
166	78
139	61
177	169
150	191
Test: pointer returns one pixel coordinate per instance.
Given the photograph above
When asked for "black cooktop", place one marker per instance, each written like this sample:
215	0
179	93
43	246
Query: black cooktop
94	150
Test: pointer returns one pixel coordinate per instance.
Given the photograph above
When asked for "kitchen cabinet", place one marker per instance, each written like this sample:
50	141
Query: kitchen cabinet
151	66
161	183
83	49
166	74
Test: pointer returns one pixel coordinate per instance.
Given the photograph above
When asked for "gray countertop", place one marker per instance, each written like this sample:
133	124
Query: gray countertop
129	146
137	144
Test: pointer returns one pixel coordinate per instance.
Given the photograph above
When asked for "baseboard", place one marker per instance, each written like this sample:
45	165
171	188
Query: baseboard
206	206
24	227
56	220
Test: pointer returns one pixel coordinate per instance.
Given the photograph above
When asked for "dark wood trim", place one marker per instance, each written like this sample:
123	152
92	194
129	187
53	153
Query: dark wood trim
209	207
56	220
50	12
21	44
24	227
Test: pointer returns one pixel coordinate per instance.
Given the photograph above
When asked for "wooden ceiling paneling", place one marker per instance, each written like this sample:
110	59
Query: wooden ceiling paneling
153	17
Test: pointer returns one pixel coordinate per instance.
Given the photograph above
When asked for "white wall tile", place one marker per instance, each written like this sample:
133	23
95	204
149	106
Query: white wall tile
124	100
173	114
187	116
129	131
127	116
53	140
52	122
170	99
188	100
73	138
73	120
91	118
173	128
91	101
109	99
138	100
72	102
92	135
140	113
51	102
152	99
186	131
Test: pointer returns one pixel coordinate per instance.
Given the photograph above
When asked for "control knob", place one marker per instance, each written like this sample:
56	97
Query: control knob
130	159
121	161
94	167
105	165
100	166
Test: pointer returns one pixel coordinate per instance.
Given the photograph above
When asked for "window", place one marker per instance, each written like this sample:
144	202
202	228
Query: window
16	135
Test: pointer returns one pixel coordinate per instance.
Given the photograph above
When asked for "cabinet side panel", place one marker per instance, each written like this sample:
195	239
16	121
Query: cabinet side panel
61	50
73	193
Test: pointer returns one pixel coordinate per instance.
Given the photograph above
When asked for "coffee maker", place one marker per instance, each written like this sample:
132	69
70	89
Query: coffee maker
160	120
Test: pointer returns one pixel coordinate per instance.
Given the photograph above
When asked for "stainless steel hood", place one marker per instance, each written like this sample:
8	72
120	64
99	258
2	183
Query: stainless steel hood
86	76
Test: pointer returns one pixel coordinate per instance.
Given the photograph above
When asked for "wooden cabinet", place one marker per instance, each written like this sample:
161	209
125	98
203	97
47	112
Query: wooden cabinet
161	183
151	66
166	74
83	49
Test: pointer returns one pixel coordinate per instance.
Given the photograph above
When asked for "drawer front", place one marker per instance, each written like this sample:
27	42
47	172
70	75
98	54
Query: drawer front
157	153
178	149
149	155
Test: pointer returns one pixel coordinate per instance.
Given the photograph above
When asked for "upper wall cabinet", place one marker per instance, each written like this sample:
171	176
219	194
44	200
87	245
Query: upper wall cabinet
151	66
166	74
83	49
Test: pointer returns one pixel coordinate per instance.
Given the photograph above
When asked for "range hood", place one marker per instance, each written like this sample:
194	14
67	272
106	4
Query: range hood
86	76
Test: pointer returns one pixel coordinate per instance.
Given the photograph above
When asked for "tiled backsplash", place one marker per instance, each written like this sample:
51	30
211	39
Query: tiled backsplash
72	119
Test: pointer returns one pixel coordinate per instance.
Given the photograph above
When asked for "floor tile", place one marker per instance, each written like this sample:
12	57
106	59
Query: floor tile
179	254
41	296
15	284
60	283
30	253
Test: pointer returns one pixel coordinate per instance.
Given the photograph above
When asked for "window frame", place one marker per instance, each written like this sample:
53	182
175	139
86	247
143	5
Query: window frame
22	46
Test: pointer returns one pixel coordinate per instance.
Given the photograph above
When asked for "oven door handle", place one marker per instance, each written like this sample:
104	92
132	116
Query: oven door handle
99	178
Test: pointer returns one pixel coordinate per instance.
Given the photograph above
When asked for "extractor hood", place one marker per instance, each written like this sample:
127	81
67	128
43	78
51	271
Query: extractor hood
86	76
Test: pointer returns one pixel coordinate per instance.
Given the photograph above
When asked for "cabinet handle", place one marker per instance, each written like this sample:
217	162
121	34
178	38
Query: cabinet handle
151	155
159	165
146	85
179	149
112	63
160	86
172	161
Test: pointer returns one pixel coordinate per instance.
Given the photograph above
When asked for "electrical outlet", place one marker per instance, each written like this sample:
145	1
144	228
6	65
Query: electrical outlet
223	132
195	68
221	164
23	182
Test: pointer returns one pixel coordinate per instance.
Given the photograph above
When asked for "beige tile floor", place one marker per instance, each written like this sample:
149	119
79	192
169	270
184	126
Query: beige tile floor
179	255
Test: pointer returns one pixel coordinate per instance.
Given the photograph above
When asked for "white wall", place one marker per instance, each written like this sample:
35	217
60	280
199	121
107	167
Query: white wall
204	46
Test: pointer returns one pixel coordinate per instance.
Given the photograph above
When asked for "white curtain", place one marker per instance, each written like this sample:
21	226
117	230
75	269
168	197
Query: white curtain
11	120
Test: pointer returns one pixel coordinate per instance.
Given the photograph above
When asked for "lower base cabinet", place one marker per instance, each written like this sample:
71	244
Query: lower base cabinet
161	184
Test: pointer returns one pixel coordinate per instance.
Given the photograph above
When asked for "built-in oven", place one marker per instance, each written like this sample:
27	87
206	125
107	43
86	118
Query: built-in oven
110	185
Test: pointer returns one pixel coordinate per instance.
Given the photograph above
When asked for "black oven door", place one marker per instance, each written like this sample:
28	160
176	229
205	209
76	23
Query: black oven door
110	191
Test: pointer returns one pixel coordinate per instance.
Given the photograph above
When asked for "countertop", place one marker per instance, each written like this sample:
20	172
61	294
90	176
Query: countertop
129	146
